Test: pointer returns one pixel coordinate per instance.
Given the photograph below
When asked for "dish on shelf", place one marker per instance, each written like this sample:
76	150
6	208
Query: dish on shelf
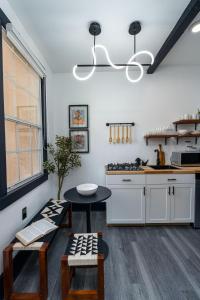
183	132
191	120
195	132
154	133
172	132
87	189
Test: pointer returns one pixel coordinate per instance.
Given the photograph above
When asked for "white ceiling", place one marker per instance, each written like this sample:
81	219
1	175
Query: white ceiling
60	29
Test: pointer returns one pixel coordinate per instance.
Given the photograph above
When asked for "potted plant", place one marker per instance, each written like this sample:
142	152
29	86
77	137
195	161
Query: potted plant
61	160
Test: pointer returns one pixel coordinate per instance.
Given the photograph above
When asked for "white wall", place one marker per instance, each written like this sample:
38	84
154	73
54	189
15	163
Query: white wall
11	217
155	101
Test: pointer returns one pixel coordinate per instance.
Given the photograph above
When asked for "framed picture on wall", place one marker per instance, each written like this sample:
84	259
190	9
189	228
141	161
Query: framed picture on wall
80	139
78	116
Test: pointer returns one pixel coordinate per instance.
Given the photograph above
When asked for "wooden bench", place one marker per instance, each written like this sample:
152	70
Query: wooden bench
42	247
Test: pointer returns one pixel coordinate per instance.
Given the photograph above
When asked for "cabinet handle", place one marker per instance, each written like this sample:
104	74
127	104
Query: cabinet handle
169	190
171	179
144	191
173	190
126	180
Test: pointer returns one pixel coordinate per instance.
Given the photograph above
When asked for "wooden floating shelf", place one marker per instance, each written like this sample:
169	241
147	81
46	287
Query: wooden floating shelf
176	135
167	136
187	122
191	121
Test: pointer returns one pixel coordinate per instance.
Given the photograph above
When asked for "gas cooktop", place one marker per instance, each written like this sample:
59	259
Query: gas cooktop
123	167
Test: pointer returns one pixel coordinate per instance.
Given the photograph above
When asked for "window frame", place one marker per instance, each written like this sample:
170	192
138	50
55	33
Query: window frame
7	198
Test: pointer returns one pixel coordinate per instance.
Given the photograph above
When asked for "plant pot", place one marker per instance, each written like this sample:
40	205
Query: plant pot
59	201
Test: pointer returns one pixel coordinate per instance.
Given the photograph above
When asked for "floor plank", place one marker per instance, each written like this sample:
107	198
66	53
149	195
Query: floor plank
144	262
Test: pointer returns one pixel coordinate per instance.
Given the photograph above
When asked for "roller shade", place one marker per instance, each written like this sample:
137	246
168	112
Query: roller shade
21	46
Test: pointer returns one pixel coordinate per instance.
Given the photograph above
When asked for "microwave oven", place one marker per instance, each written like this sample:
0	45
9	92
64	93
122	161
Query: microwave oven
187	159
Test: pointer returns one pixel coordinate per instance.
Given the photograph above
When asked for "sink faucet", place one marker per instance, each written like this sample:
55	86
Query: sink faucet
158	159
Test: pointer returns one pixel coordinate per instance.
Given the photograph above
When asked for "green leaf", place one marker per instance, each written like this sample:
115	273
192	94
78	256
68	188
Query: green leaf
60	158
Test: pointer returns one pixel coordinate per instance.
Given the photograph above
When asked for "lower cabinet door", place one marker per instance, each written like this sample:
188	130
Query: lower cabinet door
182	203
158	204
126	205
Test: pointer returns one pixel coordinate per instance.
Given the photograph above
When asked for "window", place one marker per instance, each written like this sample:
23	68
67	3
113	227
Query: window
22	124
22	109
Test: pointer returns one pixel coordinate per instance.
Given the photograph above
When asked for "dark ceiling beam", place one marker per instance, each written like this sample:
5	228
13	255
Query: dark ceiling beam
186	18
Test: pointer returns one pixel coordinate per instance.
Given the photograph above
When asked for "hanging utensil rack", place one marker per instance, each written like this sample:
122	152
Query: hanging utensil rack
118	124
120	133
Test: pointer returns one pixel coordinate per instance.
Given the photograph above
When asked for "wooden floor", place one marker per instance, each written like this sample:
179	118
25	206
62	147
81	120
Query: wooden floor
143	263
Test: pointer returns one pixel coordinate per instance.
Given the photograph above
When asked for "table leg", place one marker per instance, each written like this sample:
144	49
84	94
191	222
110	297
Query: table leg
88	210
43	271
8	272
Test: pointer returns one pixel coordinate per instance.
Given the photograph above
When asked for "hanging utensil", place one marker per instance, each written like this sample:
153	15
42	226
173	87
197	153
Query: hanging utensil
114	138
110	136
118	135
122	134
130	136
127	139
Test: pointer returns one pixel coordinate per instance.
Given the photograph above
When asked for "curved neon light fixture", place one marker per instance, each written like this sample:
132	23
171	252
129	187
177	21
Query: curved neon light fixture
95	61
134	29
92	71
108	57
139	77
130	62
134	63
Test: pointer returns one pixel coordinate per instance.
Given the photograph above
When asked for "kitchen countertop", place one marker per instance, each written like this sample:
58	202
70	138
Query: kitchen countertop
149	170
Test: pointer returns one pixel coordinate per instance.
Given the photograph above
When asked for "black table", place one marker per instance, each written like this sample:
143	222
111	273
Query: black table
101	194
74	197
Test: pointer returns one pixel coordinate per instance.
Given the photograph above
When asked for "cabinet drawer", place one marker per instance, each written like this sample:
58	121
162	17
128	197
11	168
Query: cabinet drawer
125	179
170	178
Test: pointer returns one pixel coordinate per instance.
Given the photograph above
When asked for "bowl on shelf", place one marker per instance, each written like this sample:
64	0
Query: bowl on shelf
195	132
183	131
87	189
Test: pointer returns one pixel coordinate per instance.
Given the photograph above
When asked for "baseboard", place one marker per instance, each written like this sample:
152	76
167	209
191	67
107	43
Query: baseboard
18	263
101	206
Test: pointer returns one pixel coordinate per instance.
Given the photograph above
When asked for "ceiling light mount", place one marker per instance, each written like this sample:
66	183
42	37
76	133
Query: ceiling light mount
134	28
95	28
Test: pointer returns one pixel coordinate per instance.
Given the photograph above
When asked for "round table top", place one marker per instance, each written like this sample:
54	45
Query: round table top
101	194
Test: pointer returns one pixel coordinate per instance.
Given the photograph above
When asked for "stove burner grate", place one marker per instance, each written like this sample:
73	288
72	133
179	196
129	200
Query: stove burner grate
123	167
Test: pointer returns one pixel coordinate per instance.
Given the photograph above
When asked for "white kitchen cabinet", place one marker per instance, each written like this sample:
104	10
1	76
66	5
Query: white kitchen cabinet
126	205
182	203
158	204
151	198
170	203
170	198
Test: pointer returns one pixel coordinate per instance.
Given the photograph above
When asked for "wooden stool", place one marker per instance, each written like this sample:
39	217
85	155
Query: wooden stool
83	250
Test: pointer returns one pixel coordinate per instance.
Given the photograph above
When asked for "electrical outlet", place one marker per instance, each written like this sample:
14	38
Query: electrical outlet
24	213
